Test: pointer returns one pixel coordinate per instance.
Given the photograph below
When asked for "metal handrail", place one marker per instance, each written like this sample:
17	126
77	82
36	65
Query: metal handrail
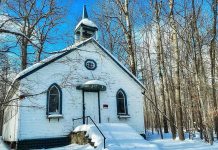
94	124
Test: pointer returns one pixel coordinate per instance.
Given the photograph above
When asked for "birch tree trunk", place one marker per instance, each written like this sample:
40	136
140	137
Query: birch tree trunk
155	96
160	58
213	63
200	77
176	71
131	51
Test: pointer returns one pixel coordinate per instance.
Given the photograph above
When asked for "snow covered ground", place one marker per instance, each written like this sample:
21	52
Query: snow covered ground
123	137
74	147
3	146
168	144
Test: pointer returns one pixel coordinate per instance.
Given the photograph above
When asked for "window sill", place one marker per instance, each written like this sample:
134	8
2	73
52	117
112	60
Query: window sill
55	116
123	116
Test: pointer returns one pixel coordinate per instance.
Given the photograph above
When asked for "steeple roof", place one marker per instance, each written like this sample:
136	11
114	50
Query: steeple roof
85	21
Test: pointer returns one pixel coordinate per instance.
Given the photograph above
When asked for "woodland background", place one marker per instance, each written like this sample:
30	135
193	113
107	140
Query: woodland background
170	45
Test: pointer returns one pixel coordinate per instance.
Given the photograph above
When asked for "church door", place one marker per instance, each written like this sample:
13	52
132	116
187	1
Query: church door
91	106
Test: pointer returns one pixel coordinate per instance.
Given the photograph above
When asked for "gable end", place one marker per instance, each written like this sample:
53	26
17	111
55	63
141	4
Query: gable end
69	51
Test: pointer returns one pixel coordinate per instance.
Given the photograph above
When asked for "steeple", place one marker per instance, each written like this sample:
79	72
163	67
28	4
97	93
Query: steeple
85	14
85	28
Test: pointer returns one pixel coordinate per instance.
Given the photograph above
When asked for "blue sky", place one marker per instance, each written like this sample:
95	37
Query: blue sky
73	15
63	34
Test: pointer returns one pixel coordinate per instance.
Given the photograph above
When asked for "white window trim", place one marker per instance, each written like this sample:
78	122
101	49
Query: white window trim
55	116
125	107
59	99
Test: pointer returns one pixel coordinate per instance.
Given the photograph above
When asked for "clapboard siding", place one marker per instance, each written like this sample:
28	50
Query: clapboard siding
68	72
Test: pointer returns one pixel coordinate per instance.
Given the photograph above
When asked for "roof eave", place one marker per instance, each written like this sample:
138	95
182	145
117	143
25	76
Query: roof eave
52	60
83	43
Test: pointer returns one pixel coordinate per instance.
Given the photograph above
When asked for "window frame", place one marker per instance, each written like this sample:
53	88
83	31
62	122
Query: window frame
92	61
48	100
125	102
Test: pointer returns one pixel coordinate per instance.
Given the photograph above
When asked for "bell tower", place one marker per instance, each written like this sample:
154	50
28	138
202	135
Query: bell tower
85	28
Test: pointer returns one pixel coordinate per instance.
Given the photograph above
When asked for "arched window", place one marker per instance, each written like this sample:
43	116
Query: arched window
54	100
121	103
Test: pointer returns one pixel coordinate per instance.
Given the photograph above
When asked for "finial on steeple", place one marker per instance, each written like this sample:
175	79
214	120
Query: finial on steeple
85	14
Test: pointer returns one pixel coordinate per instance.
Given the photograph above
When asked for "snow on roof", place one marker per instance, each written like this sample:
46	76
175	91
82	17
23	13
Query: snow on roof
57	53
37	65
86	22
97	82
118	136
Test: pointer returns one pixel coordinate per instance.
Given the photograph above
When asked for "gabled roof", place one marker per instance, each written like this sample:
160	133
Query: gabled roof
68	50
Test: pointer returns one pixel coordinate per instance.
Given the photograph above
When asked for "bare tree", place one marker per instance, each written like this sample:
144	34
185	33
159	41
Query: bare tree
43	30
121	17
4	83
176	68
27	15
213	55
160	58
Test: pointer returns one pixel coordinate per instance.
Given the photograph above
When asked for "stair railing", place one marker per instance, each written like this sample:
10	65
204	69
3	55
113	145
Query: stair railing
86	118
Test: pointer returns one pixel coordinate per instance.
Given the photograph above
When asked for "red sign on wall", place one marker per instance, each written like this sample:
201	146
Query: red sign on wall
105	106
